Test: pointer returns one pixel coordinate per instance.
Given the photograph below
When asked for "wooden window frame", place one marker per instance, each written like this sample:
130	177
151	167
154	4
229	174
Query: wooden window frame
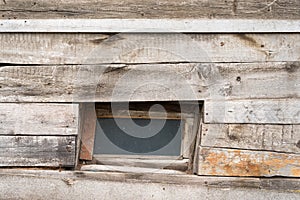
191	121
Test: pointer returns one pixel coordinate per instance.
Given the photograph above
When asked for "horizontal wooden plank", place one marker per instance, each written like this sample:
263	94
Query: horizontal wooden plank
280	138
38	119
51	48
281	111
149	82
49	151
150	26
45	184
146	110
290	185
233	162
280	9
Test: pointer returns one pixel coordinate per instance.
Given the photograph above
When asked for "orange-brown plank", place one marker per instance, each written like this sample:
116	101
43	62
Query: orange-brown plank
88	127
233	162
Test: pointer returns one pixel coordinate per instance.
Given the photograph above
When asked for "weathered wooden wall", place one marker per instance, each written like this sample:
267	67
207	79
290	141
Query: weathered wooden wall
38	134
249	82
43	9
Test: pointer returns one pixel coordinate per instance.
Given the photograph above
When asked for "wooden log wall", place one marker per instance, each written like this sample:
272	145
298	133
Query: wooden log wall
249	82
42	135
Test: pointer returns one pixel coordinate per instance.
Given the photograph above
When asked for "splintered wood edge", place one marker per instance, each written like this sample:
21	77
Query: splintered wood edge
151	25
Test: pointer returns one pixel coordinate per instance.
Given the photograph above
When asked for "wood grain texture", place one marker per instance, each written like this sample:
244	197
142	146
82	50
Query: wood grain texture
49	151
11	177
146	110
280	138
195	161
189	137
88	124
38	48
38	119
278	9
149	26
233	162
149	82
281	111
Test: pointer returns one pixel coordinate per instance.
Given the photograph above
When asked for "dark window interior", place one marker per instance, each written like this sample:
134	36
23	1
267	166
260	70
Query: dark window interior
131	136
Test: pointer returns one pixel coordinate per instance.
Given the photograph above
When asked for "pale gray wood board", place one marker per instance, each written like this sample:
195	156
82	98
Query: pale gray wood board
265	137
124	48
38	151
150	82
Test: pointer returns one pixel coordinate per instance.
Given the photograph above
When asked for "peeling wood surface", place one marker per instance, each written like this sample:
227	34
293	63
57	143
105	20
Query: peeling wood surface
233	162
37	48
280	138
182	81
149	26
38	119
43	151
254	9
281	111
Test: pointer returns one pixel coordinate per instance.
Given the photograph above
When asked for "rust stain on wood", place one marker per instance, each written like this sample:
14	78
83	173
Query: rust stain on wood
248	40
230	162
296	172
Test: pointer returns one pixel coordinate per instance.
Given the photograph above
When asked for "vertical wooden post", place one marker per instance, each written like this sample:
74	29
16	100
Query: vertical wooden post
88	127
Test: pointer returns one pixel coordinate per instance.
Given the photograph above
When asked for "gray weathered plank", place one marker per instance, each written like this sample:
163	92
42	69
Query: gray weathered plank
280	185
49	151
38	119
149	26
28	48
280	138
149	82
234	162
278	9
268	111
68	185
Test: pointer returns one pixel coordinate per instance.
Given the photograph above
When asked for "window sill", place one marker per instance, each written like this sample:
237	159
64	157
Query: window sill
128	169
